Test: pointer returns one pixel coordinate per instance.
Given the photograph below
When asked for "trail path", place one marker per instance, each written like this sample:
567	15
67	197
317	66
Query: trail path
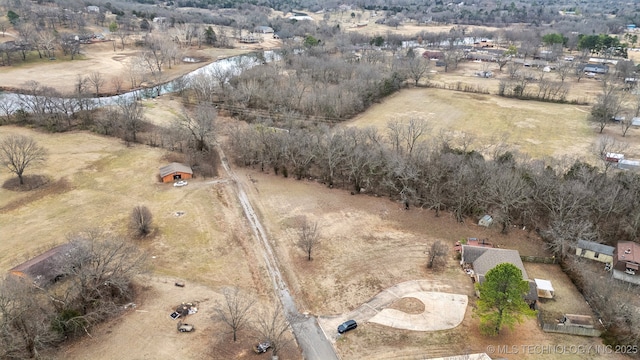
309	335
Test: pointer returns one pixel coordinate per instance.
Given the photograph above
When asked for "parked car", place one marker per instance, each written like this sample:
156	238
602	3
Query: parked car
347	325
184	327
180	183
262	347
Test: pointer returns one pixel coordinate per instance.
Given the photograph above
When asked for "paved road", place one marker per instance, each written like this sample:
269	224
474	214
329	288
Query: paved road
309	335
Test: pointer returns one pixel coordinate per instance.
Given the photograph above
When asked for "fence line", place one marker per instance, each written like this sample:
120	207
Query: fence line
539	259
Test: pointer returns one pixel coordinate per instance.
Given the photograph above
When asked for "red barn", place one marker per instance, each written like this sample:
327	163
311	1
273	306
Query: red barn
175	171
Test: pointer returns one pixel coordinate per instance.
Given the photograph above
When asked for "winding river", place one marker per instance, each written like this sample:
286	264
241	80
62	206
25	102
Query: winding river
12	102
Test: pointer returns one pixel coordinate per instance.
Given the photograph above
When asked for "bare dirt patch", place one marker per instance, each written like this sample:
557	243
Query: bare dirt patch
410	305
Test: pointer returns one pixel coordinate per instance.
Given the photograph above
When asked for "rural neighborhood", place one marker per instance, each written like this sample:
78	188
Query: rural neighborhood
319	180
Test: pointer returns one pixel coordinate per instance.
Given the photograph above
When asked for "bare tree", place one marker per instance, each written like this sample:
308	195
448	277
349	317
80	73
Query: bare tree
200	125
25	320
235	310
98	269
508	192
608	103
18	152
513	68
605	146
131	116
417	68
141	221
308	236
96	79
405	136
564	69
117	83
578	71
438	255
272	326
7	107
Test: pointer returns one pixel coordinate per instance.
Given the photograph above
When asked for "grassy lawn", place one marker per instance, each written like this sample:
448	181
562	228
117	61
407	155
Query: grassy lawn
533	128
96	182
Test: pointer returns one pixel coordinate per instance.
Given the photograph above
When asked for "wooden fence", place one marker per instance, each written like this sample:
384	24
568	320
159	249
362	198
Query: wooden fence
570	329
544	319
539	259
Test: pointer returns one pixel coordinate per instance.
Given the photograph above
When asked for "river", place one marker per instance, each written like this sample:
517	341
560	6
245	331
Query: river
12	102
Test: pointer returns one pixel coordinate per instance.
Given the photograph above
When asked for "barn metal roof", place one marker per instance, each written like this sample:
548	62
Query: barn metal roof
174	168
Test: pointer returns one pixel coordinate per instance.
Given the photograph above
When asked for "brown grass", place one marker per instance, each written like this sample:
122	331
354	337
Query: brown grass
529	127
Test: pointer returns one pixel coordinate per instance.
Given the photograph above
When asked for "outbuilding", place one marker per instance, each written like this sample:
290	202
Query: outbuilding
595	251
175	171
43	269
486	221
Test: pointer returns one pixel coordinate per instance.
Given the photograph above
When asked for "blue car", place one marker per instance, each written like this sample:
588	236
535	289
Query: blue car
347	325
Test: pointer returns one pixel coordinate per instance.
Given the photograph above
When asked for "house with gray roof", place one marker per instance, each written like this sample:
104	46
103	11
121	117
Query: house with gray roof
483	259
595	251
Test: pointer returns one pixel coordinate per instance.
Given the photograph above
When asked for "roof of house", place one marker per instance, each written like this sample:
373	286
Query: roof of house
484	259
628	251
596	247
174	168
42	267
263	28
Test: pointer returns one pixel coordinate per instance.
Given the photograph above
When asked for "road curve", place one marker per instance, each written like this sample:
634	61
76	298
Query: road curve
307	331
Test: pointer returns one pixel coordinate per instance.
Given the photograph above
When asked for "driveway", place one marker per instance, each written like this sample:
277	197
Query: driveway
443	309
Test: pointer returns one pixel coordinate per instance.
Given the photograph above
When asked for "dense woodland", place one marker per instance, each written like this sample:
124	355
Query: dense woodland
319	82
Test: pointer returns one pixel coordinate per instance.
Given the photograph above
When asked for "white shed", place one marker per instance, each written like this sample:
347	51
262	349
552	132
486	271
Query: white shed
486	221
545	289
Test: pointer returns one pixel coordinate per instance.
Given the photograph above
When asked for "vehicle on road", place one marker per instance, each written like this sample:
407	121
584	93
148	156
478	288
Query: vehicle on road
346	326
262	347
180	183
184	327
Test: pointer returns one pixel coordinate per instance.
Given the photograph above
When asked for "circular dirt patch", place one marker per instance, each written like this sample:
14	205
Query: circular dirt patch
409	305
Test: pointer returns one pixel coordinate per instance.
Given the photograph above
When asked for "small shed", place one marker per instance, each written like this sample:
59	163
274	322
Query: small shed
544	288
486	221
635	121
175	171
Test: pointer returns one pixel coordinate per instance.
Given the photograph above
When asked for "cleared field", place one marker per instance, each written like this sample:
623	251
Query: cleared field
530	127
96	182
369	244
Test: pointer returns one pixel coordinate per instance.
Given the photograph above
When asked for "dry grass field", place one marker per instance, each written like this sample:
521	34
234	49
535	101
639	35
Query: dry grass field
94	183
371	243
532	128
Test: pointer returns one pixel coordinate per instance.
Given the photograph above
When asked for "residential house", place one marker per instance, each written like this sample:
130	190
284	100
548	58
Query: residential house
596	68
43	269
626	262
263	30
595	251
482	259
